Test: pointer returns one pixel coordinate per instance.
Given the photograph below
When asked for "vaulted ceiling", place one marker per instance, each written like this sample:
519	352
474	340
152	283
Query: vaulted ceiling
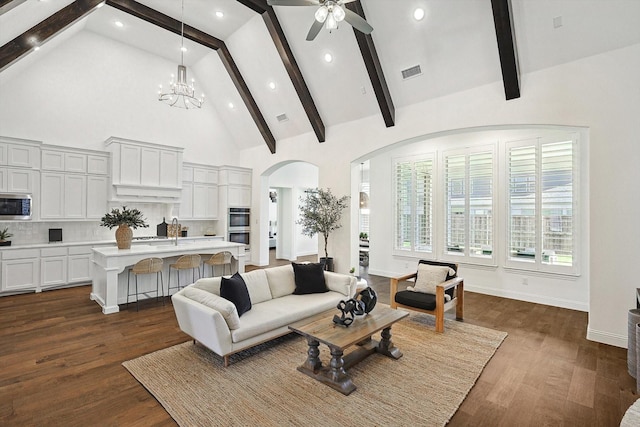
264	66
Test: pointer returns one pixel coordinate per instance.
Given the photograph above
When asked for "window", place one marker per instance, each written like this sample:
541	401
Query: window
468	178
542	220
413	205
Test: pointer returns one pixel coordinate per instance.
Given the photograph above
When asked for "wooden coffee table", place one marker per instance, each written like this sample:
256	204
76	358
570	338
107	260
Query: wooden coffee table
321	329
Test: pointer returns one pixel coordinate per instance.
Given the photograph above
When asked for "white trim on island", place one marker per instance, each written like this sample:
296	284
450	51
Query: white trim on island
109	263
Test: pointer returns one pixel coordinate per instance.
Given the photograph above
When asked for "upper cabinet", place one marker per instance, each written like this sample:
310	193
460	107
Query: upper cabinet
19	153
236	184
199	192
73	183
142	171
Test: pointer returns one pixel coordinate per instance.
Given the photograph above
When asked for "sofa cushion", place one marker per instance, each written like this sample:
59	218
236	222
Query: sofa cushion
209	284
257	285
281	281
235	290
309	278
225	307
283	311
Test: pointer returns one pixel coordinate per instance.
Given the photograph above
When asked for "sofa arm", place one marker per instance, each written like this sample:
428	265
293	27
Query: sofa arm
203	324
342	283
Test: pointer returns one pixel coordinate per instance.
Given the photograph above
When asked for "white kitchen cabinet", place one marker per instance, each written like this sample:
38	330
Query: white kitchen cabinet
98	164
238	196
205	175
142	171
79	264
51	195
19	180
53	266
63	196
20	270
205	201
75	162
75	196
3	180
237	177
52	160
186	201
97	195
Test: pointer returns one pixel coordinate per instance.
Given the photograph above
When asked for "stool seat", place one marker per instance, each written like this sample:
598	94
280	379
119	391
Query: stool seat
185	262
221	258
146	266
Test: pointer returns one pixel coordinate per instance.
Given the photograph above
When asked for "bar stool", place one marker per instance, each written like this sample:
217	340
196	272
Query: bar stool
185	262
146	266
221	258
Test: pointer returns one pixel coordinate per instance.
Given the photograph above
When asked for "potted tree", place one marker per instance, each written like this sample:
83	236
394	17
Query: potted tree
320	212
4	235
124	219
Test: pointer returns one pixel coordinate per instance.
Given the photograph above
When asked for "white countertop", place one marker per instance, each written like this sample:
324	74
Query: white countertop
159	250
102	243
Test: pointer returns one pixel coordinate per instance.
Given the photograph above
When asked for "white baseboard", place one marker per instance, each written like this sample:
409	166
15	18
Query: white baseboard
522	296
607	338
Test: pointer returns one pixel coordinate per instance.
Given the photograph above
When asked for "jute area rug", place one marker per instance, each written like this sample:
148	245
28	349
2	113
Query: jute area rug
262	387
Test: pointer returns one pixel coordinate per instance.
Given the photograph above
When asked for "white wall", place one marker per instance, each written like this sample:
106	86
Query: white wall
84	91
601	93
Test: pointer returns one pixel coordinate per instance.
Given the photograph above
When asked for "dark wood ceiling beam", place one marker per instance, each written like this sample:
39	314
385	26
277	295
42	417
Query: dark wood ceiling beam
503	20
290	64
7	5
170	24
374	68
42	32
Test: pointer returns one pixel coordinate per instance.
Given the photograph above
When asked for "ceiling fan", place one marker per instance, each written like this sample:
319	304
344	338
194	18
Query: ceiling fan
328	14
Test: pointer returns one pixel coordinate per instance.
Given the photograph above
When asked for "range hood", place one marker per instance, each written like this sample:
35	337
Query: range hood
144	171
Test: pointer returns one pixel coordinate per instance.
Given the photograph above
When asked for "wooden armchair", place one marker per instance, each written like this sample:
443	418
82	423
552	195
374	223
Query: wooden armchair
429	303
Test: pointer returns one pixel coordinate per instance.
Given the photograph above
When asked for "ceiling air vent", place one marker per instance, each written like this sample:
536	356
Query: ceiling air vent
282	118
411	72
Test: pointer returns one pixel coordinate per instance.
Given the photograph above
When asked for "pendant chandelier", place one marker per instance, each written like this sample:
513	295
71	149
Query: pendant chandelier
181	94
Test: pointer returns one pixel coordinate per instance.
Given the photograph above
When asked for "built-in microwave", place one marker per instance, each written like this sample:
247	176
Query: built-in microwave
15	206
239	217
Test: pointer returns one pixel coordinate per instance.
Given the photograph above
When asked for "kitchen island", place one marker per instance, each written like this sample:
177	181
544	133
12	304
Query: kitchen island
109	273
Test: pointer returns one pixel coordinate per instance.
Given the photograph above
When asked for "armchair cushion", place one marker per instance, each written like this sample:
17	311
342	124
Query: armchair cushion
419	300
429	276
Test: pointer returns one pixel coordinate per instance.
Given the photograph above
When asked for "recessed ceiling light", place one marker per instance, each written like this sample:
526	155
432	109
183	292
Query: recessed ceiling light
231	106
184	49
418	14
220	14
119	24
272	85
328	57
36	48
100	5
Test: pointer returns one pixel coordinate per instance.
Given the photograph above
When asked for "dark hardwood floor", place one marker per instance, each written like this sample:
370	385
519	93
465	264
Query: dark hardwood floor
60	364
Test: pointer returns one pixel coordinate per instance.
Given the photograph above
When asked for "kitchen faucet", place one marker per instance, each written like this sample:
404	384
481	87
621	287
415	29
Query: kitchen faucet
174	225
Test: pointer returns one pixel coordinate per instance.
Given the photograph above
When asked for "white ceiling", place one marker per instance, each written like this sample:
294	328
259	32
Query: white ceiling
454	45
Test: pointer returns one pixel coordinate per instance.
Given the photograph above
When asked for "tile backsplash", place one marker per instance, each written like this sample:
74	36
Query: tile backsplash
34	232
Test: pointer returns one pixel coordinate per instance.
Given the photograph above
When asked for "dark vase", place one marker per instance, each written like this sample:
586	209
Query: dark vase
5	243
328	263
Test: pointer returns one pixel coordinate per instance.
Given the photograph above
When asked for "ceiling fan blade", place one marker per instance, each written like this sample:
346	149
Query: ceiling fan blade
293	2
357	21
314	30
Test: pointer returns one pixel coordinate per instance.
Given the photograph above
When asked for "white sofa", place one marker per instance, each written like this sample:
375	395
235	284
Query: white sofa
213	321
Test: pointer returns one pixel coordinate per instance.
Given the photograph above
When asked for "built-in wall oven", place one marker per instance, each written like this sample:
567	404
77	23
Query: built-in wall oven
239	229
15	206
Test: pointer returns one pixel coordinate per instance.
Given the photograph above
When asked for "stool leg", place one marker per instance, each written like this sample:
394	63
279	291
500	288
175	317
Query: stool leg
128	289
137	299
162	286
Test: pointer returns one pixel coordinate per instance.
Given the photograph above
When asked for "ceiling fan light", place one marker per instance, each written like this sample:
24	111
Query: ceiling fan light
332	24
321	13
338	13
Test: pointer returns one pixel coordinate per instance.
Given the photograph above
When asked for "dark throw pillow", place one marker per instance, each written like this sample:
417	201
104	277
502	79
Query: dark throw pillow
309	279
235	290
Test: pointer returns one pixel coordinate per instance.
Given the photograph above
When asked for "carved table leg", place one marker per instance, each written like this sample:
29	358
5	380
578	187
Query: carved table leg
386	347
313	362
336	374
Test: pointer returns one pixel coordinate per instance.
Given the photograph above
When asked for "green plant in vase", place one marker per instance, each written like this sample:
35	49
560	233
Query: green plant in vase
125	220
4	236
